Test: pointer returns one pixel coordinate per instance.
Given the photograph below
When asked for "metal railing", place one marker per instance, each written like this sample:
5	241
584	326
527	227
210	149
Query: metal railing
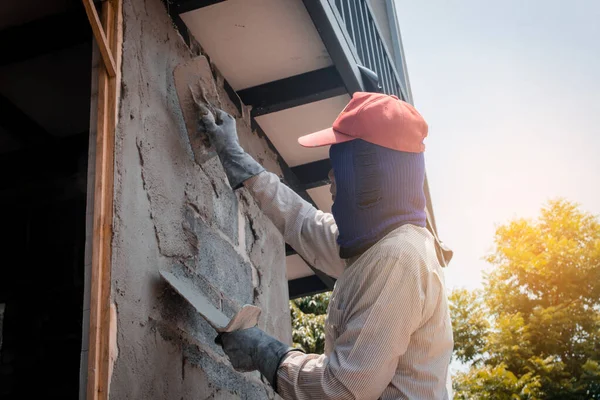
356	18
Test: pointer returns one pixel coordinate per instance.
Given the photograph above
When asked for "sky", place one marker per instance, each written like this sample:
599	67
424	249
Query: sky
511	92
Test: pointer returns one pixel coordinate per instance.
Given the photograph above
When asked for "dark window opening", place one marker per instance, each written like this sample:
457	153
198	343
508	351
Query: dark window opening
45	89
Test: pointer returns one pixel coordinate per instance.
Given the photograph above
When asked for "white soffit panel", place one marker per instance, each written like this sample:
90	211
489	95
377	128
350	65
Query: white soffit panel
257	41
322	197
297	268
285	127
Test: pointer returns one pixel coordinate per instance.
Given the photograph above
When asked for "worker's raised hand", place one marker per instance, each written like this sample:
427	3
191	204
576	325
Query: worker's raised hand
221	129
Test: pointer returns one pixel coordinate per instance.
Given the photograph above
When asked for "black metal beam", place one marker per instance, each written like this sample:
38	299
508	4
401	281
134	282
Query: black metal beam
19	125
306	286
289	250
233	96
43	36
293	91
313	174
179	24
182	6
335	42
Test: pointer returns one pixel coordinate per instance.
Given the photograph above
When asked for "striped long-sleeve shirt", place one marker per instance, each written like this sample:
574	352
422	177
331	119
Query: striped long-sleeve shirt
388	330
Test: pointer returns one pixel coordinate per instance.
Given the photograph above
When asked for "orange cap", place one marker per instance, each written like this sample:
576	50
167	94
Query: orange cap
376	118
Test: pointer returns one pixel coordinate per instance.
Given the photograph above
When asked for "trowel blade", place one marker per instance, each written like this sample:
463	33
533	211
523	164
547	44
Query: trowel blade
246	318
194	78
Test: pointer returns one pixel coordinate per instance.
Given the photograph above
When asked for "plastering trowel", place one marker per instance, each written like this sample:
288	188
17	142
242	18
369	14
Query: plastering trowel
246	317
194	82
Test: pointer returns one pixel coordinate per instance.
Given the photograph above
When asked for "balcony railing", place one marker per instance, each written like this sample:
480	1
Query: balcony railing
364	37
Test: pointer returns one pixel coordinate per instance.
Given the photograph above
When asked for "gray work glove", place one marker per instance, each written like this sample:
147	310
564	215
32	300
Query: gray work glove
239	166
252	349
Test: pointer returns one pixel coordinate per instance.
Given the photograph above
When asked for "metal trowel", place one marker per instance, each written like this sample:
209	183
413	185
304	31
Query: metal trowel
246	317
194	82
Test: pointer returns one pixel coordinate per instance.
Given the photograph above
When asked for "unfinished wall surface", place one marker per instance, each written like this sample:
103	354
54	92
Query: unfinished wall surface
173	213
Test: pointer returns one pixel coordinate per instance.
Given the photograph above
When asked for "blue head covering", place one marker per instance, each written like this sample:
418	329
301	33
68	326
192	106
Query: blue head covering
377	190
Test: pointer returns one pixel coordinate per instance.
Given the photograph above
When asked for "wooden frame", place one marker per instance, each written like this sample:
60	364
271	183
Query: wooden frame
101	38
108	32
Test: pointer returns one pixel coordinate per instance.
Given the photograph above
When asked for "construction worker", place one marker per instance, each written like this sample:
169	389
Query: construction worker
388	330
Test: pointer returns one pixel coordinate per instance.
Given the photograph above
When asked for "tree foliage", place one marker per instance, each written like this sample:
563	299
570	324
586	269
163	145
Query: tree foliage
534	330
308	322
469	324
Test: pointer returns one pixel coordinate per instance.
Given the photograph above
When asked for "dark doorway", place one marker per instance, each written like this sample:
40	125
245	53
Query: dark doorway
45	81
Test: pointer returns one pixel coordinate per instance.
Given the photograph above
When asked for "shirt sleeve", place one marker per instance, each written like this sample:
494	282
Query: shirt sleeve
311	232
365	356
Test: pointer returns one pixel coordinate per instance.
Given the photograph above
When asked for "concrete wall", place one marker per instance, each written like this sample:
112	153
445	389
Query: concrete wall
171	212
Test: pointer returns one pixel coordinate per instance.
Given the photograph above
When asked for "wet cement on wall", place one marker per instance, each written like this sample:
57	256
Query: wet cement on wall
171	212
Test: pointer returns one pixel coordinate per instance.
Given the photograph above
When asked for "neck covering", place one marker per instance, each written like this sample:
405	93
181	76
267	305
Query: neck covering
377	190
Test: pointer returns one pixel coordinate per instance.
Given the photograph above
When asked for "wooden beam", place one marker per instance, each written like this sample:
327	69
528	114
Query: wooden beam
98	380
100	36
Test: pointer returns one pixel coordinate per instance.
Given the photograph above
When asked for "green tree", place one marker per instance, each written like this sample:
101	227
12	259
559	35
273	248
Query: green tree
535	327
308	322
469	325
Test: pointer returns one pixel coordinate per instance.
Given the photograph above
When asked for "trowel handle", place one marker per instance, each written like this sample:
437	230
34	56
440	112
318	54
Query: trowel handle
246	318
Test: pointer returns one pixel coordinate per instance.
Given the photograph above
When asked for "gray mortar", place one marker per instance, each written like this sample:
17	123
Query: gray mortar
170	212
266	248
218	261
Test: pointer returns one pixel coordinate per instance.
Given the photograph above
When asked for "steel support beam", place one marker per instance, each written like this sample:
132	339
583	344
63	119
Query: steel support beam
306	286
183	6
289	250
313	174
293	91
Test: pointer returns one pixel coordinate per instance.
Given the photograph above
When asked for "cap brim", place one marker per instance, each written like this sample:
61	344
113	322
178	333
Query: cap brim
325	137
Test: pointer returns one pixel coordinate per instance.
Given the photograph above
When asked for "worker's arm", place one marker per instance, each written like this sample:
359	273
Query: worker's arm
377	333
311	232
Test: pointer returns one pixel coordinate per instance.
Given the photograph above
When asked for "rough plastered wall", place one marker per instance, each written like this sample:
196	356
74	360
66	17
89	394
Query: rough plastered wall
172	213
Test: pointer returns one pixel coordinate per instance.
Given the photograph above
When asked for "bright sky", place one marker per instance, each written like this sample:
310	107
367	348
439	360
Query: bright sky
511	92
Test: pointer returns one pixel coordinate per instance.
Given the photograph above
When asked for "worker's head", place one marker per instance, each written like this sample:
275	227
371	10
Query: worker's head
378	169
